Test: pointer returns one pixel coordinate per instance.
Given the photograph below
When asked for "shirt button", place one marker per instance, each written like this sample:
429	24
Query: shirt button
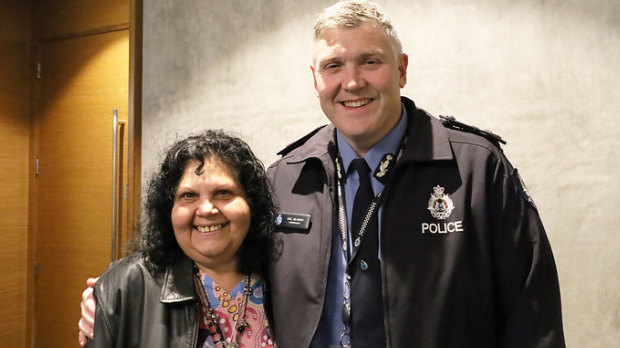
363	265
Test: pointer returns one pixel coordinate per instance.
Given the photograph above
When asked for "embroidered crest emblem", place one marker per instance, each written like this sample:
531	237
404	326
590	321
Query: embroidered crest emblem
383	167
440	205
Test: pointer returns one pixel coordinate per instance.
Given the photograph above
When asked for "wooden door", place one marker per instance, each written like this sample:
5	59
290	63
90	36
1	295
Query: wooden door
82	80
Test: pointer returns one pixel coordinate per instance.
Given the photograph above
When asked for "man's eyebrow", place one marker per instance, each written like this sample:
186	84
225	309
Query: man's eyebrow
367	55
328	59
373	52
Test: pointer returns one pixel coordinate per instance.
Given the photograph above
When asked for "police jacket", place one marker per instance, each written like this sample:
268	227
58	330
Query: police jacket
465	258
157	310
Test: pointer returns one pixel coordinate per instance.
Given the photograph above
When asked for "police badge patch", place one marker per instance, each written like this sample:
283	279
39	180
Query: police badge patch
440	205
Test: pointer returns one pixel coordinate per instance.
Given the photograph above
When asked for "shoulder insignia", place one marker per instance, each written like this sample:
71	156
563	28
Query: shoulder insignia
518	181
297	143
451	122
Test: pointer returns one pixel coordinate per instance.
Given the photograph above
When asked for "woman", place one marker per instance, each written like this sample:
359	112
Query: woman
198	279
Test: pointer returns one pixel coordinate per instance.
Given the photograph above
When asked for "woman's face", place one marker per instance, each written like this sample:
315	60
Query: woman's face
211	215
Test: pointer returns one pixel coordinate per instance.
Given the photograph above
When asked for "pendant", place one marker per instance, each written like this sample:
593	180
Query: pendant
233	345
242	325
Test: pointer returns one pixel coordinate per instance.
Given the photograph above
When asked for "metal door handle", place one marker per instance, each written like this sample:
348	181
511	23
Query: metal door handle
116	122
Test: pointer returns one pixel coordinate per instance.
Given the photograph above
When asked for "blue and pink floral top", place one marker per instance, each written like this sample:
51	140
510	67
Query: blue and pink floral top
228	307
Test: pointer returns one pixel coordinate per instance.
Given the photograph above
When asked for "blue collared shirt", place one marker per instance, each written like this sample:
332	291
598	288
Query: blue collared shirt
331	325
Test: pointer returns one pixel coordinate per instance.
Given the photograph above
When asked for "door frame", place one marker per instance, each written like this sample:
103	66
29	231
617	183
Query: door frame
134	160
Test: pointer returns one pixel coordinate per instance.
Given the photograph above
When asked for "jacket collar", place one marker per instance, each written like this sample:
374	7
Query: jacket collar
427	140
320	145
178	283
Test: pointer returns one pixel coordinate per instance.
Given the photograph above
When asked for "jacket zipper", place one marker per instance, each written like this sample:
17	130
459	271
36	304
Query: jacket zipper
197	326
386	325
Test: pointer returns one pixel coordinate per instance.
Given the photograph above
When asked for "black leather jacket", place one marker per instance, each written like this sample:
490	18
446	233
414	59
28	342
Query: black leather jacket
138	309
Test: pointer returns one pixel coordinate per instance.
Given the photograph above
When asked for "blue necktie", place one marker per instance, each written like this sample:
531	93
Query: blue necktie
367	323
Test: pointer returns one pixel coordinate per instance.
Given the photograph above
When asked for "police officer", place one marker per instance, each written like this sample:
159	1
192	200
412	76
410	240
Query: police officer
399	229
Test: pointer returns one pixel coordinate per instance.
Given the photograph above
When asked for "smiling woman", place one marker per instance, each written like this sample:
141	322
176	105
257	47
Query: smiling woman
211	218
200	270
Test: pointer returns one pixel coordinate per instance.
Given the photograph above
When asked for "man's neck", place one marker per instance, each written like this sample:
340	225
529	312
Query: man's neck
389	143
362	145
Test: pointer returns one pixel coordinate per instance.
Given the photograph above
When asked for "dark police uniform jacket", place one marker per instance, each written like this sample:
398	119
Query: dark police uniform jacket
465	258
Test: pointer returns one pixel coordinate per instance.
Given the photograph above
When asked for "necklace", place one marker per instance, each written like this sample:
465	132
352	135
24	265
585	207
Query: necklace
240	324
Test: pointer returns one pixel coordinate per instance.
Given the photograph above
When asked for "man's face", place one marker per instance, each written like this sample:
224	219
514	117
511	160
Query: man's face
357	77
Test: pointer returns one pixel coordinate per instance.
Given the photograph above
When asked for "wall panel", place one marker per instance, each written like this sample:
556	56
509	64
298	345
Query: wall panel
14	152
58	18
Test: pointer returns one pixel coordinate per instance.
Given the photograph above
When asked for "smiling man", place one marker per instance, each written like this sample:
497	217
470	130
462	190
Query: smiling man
398	229
358	74
450	250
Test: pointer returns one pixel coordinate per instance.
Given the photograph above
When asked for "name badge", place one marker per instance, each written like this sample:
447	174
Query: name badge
293	221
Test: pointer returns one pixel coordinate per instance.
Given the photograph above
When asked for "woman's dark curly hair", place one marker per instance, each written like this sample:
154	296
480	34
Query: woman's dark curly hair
158	243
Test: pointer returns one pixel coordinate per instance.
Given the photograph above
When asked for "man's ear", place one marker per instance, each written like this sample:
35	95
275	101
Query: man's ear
402	68
316	93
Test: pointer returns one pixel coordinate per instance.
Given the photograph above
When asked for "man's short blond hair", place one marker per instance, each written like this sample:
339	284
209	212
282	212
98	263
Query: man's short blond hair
352	14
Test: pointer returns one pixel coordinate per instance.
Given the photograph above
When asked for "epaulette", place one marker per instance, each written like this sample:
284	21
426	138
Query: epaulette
451	122
297	143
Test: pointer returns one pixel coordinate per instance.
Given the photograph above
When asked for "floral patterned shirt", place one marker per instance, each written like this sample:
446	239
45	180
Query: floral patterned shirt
228	307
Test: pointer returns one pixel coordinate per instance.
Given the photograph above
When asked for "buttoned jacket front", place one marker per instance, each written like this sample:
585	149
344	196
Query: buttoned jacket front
465	259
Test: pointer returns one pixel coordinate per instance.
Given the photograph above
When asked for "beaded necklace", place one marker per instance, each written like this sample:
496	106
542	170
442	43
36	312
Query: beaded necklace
215	331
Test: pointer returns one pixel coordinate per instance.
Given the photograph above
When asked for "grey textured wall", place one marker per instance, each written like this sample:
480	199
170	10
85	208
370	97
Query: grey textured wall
543	74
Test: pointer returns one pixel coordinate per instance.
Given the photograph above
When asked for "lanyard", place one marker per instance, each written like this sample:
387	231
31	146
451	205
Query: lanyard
383	172
342	216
